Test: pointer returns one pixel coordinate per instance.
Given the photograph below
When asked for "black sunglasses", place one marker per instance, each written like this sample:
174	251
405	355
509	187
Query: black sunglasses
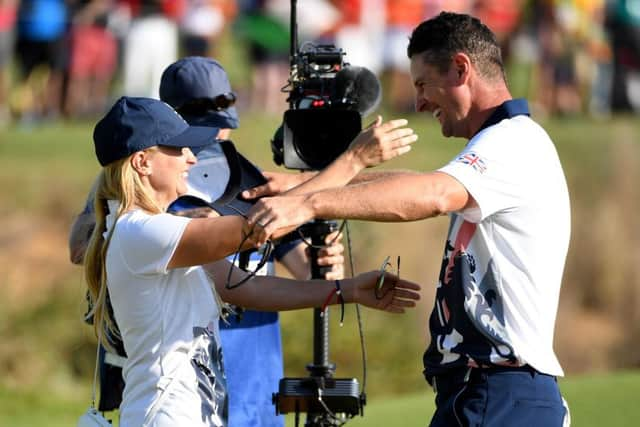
224	101
265	252
203	105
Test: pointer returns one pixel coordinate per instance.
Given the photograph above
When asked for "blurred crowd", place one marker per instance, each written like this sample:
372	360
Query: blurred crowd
71	58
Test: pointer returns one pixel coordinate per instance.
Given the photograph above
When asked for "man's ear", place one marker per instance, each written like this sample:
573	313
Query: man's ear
462	64
141	163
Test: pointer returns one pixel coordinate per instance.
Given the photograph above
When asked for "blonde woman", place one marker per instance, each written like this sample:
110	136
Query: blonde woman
145	264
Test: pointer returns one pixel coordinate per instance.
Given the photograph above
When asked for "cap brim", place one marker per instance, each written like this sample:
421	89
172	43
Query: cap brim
235	207
250	176
225	119
192	137
209	177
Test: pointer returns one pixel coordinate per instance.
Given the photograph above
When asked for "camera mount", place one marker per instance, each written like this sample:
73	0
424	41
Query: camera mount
327	99
320	395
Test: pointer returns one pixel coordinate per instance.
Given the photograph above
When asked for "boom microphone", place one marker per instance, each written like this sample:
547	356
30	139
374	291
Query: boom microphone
358	87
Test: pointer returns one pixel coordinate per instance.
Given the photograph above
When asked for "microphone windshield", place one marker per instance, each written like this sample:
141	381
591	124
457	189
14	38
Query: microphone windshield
358	87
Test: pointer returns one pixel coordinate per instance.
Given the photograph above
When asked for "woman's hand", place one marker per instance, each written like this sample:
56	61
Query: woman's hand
394	296
273	217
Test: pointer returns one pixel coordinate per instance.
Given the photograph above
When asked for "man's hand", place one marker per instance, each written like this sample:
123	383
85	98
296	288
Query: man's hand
272	216
277	182
380	142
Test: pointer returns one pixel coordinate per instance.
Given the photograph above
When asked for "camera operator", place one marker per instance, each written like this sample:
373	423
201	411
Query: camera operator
491	357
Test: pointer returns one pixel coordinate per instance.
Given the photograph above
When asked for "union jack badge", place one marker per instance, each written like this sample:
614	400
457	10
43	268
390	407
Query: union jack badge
474	160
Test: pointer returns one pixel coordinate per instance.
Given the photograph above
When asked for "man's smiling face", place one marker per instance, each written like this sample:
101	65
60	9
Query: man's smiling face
441	94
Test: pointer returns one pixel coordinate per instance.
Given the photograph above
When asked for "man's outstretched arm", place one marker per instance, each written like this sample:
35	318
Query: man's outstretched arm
395	198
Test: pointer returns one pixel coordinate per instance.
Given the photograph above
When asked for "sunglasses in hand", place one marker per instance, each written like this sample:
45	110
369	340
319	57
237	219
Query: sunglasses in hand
386	264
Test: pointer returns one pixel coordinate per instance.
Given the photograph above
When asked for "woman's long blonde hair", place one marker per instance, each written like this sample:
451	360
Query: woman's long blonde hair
118	181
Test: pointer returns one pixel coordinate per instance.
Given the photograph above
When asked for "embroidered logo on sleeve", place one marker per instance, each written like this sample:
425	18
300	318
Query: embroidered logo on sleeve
474	160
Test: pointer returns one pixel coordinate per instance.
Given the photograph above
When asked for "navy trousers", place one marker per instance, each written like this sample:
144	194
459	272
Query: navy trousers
495	397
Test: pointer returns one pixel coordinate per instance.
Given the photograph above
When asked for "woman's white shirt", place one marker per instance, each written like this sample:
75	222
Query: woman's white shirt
168	320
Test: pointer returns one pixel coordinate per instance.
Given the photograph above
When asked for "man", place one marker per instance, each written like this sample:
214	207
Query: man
490	359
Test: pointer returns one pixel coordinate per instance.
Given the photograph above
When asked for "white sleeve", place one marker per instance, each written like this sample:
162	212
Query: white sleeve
149	241
489	173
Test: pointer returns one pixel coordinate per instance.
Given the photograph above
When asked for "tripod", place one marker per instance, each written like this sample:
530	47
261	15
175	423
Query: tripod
320	395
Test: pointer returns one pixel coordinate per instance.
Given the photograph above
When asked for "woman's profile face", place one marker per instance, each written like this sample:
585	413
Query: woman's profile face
168	172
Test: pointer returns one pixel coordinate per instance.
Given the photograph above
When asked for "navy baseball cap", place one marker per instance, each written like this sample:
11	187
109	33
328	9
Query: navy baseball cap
133	124
195	79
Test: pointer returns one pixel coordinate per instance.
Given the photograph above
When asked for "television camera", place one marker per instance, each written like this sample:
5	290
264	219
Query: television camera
327	100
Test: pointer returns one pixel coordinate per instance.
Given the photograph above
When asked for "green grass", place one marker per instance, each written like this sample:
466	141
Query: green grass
609	400
20	408
604	400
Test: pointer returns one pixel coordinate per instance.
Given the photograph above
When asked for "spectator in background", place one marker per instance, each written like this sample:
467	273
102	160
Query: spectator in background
359	32
264	26
402	17
434	7
557	79
151	44
502	17
601	54
42	51
623	23
267	41
93	58
8	13
202	24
